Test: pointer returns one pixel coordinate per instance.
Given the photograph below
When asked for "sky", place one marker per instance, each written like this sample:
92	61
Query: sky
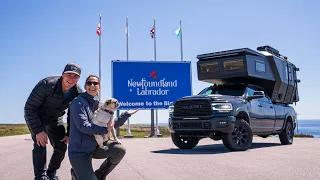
38	38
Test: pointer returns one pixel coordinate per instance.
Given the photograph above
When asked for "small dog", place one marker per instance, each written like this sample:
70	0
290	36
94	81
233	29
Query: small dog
102	116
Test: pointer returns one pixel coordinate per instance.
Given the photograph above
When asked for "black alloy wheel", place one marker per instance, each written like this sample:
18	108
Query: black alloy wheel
286	136
240	139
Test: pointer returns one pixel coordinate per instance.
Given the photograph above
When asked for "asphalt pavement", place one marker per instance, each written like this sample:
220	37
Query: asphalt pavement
159	159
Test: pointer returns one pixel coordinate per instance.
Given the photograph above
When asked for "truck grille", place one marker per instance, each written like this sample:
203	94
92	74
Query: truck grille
191	125
199	107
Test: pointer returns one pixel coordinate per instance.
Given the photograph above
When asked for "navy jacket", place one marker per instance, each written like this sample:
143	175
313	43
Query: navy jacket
81	139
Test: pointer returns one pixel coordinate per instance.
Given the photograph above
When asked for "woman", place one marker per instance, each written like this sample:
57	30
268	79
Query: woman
82	144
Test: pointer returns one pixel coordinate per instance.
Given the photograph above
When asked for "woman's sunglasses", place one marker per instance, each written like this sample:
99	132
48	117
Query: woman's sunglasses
89	83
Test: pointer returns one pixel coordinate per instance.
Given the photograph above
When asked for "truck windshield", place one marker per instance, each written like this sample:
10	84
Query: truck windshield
231	90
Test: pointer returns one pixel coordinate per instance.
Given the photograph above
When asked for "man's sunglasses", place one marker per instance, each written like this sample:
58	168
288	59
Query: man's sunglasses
89	83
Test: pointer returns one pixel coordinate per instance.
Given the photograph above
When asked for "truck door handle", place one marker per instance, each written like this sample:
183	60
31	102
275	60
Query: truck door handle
260	105
271	107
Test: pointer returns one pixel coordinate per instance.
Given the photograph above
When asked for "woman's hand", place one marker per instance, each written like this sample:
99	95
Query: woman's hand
111	124
132	111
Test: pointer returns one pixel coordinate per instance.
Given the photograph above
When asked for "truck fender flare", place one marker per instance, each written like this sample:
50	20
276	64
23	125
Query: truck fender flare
286	119
244	111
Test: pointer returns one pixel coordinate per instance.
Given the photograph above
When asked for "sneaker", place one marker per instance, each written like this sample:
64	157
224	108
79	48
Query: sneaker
44	177
53	177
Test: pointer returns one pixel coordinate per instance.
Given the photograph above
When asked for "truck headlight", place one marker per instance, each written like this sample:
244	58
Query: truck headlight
222	107
171	108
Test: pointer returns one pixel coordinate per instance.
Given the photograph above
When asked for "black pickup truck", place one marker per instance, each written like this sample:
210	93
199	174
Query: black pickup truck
250	95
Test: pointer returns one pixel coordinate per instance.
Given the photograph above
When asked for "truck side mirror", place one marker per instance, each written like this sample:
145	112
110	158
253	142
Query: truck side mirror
256	95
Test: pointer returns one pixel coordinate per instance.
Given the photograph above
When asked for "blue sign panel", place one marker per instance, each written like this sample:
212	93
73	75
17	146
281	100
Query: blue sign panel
150	84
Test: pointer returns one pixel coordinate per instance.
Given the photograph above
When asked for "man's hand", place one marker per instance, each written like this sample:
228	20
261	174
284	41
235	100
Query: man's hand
42	139
65	139
132	111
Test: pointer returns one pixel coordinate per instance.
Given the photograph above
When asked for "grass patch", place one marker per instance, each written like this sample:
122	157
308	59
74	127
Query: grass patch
138	131
304	135
13	129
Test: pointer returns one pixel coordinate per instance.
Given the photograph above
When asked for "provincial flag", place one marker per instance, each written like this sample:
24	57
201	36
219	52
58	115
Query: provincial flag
126	29
152	32
178	32
98	30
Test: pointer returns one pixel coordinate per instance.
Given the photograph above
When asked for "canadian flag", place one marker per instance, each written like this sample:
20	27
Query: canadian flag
98	30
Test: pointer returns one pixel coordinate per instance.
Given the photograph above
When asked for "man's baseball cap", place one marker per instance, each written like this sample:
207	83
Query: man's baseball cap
72	68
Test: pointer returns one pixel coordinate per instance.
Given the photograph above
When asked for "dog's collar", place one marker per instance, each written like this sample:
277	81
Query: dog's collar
110	112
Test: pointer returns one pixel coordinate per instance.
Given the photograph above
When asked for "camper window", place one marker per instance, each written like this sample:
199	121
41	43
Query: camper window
260	67
209	67
290	74
286	71
233	65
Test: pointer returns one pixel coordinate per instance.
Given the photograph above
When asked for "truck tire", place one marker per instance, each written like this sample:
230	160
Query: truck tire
286	136
184	142
240	139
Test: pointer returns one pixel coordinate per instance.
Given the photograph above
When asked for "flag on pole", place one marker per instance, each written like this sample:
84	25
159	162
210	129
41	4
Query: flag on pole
98	29
178	32
152	32
126	29
179	35
99	34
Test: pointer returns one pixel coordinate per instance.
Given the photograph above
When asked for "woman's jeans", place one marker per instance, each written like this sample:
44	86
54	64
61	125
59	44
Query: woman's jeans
82	164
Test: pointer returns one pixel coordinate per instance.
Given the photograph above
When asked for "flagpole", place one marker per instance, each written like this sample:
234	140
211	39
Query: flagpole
154	38
155	58
181	41
127	44
100	59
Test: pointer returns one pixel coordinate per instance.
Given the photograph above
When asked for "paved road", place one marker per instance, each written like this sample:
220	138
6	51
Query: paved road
159	159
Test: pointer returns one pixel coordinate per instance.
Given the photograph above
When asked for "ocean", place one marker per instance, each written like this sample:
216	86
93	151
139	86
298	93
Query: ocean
303	126
308	127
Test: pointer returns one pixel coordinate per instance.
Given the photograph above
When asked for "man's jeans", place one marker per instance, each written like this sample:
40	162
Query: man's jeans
55	134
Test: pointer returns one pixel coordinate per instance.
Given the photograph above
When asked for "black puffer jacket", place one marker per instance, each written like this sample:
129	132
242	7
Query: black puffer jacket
46	104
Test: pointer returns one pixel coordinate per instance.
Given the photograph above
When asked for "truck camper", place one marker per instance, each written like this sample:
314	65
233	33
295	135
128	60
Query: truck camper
251	93
266	68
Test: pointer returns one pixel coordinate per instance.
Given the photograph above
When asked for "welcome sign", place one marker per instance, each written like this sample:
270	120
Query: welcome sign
150	84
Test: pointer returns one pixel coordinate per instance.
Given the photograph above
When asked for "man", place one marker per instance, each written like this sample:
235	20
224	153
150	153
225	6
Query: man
44	112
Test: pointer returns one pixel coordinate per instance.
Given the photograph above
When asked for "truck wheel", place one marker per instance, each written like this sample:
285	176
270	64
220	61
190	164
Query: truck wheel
184	142
286	136
241	137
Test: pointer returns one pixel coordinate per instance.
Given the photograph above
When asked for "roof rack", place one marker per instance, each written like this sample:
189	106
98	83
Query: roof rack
272	51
